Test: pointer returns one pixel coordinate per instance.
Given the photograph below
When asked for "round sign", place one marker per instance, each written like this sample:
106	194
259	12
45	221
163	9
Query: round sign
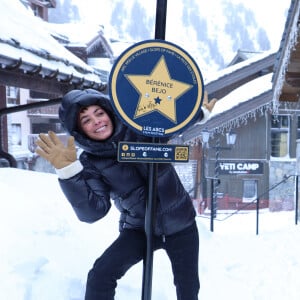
156	88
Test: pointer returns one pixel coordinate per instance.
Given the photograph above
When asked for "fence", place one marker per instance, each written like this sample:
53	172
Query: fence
213	211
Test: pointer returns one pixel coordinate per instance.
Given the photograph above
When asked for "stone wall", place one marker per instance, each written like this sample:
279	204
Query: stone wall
282	197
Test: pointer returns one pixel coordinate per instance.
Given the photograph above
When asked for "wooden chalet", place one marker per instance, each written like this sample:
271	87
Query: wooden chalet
33	60
36	68
266	120
40	8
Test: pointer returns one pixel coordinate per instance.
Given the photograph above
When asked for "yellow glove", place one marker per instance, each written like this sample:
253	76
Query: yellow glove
52	149
209	105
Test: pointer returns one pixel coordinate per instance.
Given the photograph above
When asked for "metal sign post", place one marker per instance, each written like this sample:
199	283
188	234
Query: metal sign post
157	90
160	29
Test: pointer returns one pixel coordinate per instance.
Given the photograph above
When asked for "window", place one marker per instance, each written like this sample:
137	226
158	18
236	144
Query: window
249	190
12	95
15	137
280	127
39	127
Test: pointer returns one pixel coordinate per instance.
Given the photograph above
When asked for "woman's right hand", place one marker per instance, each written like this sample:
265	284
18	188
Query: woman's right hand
52	149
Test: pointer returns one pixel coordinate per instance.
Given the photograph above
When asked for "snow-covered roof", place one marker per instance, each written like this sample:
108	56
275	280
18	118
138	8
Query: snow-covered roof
243	94
263	92
88	35
246	93
287	70
74	33
26	43
257	94
214	76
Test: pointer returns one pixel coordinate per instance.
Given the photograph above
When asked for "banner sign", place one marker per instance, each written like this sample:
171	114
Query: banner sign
241	167
151	153
156	88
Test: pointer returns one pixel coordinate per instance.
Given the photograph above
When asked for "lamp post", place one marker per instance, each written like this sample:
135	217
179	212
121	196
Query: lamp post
205	138
215	181
230	138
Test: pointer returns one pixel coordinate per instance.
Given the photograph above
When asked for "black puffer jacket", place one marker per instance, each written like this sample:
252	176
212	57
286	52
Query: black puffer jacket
104	178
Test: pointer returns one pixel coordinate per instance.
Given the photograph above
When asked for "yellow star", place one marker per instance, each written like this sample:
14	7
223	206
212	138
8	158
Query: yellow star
158	91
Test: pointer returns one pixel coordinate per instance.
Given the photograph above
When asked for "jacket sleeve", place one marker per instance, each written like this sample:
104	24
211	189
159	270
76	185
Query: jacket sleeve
88	195
204	115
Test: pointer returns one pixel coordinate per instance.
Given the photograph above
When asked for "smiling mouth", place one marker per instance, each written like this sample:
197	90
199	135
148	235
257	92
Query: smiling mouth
102	128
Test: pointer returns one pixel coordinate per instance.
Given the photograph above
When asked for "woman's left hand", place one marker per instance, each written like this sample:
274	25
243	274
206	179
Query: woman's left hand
209	105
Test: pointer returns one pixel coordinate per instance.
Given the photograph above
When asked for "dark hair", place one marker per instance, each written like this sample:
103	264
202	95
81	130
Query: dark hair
81	110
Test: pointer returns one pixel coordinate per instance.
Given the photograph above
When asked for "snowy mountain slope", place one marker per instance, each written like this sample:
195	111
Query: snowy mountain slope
211	31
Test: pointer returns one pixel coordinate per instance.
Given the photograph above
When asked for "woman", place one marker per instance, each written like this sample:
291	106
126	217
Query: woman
96	178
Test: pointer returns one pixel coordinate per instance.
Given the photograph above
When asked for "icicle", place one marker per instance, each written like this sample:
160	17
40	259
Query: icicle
286	58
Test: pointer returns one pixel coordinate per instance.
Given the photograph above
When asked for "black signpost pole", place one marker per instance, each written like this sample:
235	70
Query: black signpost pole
149	220
157	94
160	28
161	16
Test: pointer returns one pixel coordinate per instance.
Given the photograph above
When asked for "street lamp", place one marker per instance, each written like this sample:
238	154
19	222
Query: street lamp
230	138
215	181
205	134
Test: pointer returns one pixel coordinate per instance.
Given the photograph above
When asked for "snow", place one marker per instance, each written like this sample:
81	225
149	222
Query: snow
187	37
214	76
46	252
243	94
41	49
28	37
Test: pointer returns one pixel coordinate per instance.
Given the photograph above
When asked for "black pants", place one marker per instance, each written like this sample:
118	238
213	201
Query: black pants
129	248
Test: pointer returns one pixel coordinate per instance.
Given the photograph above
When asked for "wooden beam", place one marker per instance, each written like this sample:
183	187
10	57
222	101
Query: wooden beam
293	79
36	83
289	97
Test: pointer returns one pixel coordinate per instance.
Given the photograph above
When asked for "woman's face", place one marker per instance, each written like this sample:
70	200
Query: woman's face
96	123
